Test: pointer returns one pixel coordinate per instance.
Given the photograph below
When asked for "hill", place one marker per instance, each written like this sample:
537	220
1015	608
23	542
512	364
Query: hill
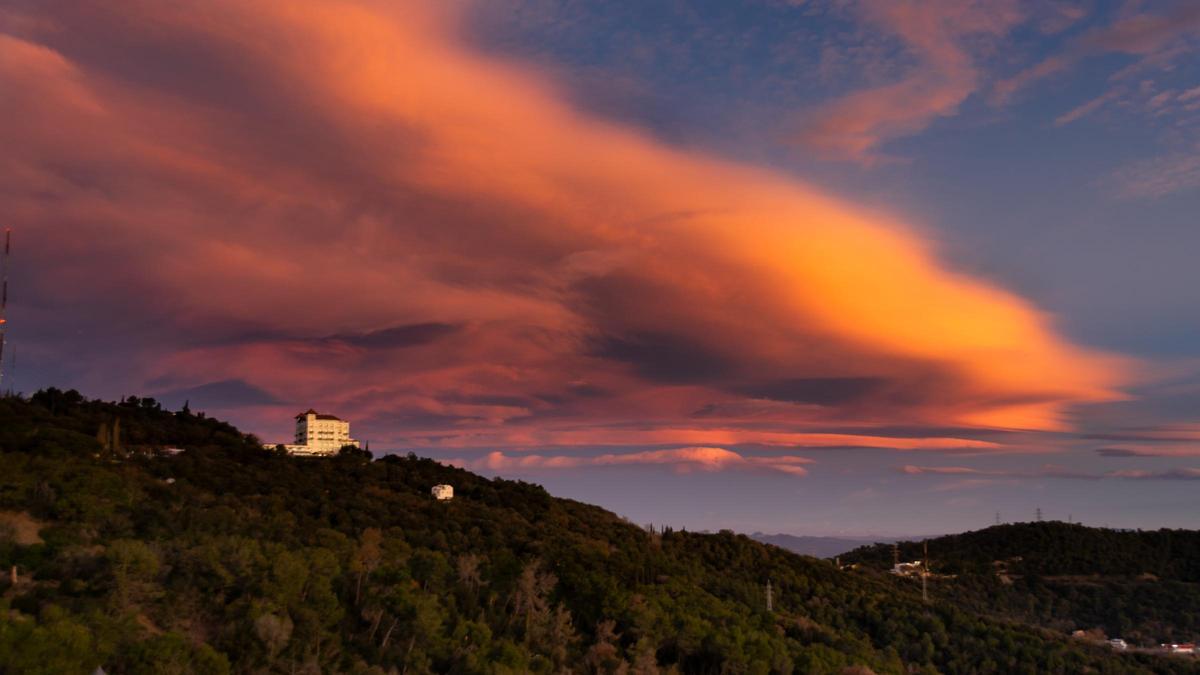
1055	548
229	558
1143	586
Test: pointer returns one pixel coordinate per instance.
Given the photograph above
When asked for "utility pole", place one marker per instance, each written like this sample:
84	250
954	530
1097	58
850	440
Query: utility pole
925	576
997	517
1038	513
770	599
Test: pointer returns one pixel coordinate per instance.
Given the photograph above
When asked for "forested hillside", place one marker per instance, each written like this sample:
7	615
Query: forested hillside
1055	548
1143	586
230	558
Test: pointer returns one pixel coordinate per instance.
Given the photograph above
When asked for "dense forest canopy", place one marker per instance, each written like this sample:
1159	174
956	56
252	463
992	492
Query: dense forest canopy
230	558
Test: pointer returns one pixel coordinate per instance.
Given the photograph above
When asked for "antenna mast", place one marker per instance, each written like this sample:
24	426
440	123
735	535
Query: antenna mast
4	300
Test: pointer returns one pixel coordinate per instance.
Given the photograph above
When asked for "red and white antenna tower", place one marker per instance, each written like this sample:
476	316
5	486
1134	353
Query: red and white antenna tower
4	300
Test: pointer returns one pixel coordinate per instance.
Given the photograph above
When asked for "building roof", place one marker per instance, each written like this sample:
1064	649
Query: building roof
310	411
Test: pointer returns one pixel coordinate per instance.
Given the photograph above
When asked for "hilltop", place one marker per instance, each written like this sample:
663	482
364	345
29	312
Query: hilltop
1143	586
1054	548
226	557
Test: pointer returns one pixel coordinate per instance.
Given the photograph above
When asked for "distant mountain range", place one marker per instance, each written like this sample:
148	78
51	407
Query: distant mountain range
818	547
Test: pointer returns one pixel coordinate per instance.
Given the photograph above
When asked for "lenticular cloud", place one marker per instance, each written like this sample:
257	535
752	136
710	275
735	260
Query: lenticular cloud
330	181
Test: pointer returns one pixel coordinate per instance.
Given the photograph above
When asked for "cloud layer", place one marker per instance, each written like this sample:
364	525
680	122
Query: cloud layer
980	476
343	205
681	460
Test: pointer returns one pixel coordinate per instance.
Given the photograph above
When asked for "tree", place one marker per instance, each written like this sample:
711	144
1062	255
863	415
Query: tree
468	571
367	557
134	566
604	655
274	632
530	600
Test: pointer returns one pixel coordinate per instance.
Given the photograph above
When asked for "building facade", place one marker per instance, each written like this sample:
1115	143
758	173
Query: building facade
319	435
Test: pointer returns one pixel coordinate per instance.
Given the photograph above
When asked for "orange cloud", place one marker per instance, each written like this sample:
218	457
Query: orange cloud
345	205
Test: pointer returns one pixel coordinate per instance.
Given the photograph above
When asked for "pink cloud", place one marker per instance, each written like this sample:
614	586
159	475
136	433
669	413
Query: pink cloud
1087	108
1156	449
1170	474
681	460
1003	90
1048	471
1151	37
936	34
943	470
1158	176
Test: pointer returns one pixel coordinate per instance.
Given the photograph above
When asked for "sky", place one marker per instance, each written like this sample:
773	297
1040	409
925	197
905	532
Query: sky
826	267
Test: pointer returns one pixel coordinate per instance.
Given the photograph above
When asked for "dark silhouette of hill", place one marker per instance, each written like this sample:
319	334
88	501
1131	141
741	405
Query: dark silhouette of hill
1143	586
227	557
1055	548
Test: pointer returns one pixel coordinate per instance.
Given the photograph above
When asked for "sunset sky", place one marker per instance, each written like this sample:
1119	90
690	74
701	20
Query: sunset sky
818	267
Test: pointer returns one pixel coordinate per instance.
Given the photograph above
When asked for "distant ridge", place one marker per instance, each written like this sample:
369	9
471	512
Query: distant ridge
818	547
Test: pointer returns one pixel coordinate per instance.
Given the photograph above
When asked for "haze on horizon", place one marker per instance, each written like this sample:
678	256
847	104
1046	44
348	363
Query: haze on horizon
859	267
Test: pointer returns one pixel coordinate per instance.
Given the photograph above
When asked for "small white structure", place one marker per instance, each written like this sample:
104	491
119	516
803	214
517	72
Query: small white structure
1118	644
443	492
318	435
908	569
1177	648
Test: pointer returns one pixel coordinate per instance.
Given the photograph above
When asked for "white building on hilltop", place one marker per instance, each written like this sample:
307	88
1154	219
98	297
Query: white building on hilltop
319	435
